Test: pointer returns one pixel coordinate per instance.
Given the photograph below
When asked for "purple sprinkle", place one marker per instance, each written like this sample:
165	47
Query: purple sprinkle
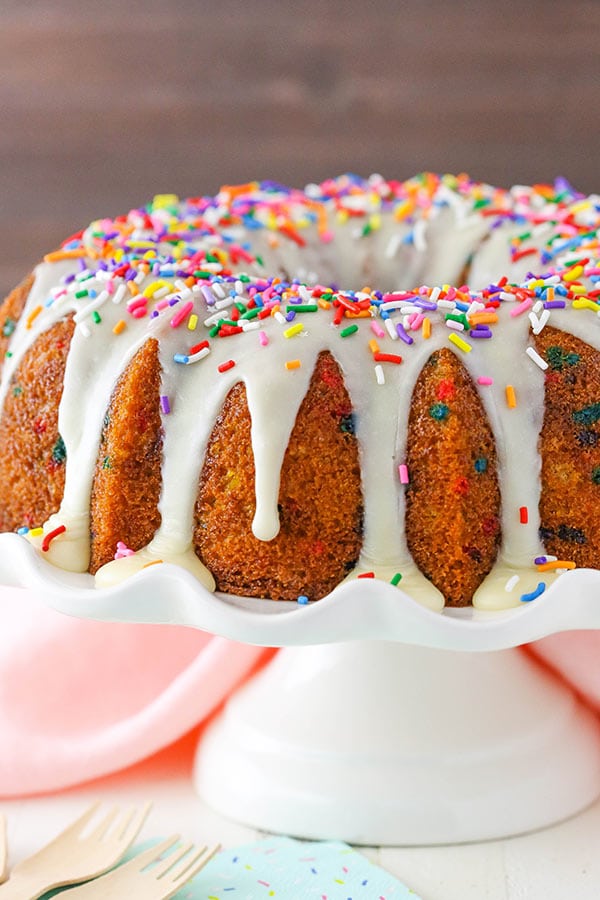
402	334
165	405
540	560
426	304
174	300
480	333
554	304
290	315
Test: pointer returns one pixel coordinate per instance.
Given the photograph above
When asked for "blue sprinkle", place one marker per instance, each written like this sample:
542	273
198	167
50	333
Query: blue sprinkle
181	358
481	464
23	530
526	598
303	599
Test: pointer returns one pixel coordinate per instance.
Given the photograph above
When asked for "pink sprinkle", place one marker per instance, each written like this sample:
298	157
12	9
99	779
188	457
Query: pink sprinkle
136	304
140	312
485	380
521	307
162	304
399	295
326	236
403	472
377	329
417	321
181	314
264	340
266	883
123	551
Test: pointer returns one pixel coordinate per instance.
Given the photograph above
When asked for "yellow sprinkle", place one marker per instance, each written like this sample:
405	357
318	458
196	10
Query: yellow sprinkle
293	364
573	273
426	327
556	564
577	288
403	210
585	303
36	532
154	562
373	346
162	200
120	326
577	207
153	288
32	316
293	329
511	397
141	245
150	254
343	216
192	322
460	343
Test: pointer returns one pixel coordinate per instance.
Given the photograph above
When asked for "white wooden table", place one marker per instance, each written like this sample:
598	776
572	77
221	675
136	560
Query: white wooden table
555	864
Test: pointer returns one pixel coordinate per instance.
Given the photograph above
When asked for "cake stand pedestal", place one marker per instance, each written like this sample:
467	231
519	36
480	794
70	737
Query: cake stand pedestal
383	743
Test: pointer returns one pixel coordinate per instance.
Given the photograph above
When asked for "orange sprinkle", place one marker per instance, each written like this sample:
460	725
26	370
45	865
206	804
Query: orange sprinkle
133	288
191	281
557	564
363	314
120	326
293	364
57	255
324	304
32	316
373	346
483	318
511	397
154	562
426	327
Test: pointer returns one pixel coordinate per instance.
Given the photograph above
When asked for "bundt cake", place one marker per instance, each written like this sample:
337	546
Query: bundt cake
279	389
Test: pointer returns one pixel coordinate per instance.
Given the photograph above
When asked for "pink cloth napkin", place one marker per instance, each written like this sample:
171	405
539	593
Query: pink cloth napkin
81	699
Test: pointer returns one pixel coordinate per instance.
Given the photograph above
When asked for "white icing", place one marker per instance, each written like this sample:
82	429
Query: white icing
432	246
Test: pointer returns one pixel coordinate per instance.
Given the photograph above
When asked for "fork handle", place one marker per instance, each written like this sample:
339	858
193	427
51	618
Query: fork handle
21	889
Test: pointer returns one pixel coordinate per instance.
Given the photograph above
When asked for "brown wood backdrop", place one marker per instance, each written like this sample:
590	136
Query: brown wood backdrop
102	104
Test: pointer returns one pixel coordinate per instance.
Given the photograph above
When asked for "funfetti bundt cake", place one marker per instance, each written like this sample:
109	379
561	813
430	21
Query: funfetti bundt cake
278	389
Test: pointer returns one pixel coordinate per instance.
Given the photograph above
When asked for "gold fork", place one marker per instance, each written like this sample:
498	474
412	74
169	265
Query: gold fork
154	874
74	856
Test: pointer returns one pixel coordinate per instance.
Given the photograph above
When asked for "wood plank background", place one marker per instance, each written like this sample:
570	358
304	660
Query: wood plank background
104	104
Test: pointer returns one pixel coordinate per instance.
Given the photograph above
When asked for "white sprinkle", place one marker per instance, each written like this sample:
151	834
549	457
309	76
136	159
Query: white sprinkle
218	289
223	304
393	246
542	321
199	355
435	294
419	236
538	307
305	293
280	318
95	304
537	359
511	583
85	331
119	293
212	320
505	295
407	310
379	375
391	329
246	325
446	304
239	288
456	326
161	292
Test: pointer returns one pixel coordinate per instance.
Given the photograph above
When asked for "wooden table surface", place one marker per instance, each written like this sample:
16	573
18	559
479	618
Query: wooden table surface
103	105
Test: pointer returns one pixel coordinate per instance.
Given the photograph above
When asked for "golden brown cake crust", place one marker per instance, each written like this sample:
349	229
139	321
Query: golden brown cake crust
32	454
127	480
11	309
453	498
570	449
320	498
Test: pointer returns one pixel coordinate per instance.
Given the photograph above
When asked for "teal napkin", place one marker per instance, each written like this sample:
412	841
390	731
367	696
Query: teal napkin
287	869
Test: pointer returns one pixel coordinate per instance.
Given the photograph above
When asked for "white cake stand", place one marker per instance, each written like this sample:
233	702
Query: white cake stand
377	724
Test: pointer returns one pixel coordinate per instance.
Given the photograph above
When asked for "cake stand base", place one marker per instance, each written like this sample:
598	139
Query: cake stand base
385	743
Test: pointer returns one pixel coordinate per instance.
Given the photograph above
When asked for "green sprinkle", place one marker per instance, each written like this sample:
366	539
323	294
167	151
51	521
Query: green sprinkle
303	307
17	391
200	273
458	317
210	257
96	317
9	327
350	329
557	358
596	475
397	578
588	415
439	411
244	278
106	464
367	229
479	203
59	451
250	313
260	261
216	328
82	293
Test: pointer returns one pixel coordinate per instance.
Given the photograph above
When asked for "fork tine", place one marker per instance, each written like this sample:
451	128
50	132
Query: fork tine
133	824
79	824
101	829
150	855
178	853
194	864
